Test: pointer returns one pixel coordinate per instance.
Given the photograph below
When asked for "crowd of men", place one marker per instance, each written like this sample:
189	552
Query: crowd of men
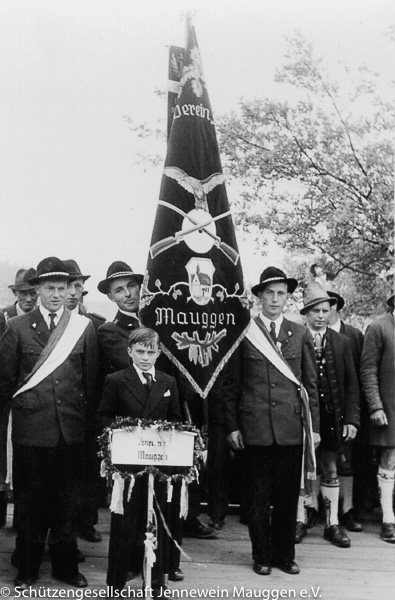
293	399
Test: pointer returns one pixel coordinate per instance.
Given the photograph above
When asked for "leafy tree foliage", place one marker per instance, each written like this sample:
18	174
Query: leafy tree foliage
317	171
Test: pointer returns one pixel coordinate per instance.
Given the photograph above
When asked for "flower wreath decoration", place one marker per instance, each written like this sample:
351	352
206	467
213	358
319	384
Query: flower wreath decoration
187	473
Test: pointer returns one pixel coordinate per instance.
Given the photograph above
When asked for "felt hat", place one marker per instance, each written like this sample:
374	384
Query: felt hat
22	278
274	275
115	270
340	299
314	294
74	270
49	268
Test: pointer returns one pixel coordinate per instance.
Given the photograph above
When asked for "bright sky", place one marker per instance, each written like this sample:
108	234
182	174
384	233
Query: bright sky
71	70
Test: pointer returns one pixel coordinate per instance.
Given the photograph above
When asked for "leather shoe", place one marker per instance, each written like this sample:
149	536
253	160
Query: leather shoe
337	536
216	524
23	583
75	579
262	569
387	533
90	535
176	575
288	566
350	523
300	532
200	531
158	591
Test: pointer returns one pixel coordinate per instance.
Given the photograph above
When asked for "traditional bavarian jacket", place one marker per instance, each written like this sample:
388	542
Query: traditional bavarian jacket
339	382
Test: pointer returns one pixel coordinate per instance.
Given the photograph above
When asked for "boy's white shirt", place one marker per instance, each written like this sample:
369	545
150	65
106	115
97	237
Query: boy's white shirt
141	376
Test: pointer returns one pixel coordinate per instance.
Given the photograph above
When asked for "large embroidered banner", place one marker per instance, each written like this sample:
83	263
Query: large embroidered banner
193	292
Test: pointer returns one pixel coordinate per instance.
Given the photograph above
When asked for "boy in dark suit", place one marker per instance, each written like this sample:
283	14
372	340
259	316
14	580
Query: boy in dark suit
140	391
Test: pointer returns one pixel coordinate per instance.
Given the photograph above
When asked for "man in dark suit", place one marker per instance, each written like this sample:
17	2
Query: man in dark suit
377	376
266	420
140	391
122	287
25	293
48	370
26	299
339	401
355	470
92	480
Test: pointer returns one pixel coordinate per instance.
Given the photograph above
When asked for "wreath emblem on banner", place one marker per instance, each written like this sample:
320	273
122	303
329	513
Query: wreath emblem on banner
129	424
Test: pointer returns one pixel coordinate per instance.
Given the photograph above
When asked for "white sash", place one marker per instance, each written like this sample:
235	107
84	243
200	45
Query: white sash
74	330
261	343
256	337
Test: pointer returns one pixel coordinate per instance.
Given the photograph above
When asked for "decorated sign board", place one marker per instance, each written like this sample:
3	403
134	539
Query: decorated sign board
152	446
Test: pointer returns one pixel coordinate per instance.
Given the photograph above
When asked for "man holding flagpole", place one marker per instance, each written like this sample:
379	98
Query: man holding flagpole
48	371
276	408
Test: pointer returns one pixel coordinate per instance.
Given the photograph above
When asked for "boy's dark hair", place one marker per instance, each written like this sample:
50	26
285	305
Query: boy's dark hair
143	335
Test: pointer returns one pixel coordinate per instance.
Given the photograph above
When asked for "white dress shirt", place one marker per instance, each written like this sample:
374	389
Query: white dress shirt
277	322
141	376
45	313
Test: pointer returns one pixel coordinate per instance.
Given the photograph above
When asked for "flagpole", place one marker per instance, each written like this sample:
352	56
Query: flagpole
188	21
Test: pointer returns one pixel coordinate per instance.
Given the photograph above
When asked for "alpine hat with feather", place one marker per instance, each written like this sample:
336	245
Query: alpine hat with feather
314	294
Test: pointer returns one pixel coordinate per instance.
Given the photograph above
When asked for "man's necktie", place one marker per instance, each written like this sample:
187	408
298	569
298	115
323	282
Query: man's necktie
318	344
52	321
148	378
273	332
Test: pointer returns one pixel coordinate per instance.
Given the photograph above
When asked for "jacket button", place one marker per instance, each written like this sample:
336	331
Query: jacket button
58	402
273	385
273	404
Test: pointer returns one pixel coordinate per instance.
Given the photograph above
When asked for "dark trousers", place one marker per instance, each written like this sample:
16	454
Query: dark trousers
273	479
218	467
127	534
89	491
46	482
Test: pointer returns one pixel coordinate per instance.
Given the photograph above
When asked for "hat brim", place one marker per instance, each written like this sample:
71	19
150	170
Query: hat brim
21	287
390	301
53	276
292	284
332	302
73	277
104	285
340	299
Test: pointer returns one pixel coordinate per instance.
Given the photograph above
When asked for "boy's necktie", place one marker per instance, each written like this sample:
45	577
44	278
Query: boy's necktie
148	378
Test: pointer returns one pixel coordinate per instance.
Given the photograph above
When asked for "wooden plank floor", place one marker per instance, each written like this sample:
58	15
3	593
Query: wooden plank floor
222	567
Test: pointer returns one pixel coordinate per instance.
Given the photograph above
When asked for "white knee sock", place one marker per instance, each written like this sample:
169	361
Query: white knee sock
301	516
330	495
386	480
346	486
315	492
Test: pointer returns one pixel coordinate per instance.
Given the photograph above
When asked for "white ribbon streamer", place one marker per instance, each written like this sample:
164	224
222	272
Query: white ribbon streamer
116	505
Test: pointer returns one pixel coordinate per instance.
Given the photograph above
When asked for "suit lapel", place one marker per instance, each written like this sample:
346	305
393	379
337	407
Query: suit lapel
285	338
38	327
136	388
159	387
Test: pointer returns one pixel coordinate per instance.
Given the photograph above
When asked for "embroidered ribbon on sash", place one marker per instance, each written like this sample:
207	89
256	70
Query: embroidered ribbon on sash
265	345
61	342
